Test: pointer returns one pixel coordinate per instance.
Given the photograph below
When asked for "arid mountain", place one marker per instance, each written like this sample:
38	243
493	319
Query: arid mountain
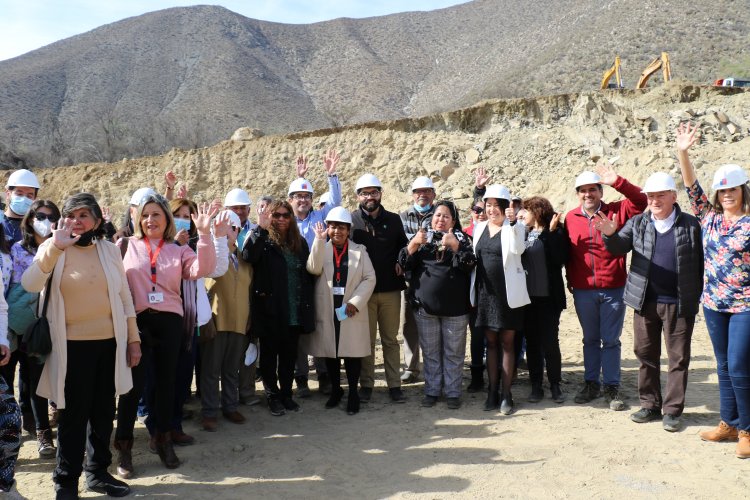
190	76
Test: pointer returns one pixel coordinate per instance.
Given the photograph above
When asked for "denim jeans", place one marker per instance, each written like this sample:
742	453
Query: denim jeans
730	336
601	313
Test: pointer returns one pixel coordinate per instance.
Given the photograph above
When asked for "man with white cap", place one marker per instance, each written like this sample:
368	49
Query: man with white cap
20	192
663	287
381	232
597	280
300	195
414	218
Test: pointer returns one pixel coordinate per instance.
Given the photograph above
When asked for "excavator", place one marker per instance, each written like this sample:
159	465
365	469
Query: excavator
613	71
659	63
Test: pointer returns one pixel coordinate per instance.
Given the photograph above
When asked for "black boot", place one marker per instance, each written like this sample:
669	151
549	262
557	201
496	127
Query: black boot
336	394
493	400
477	379
537	393
103	482
66	490
352	403
558	396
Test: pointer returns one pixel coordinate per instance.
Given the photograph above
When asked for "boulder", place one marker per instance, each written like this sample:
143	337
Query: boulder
246	134
472	156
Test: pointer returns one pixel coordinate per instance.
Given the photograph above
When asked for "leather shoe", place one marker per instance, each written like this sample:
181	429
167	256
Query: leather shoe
397	395
234	416
365	394
181	439
103	482
66	491
209	424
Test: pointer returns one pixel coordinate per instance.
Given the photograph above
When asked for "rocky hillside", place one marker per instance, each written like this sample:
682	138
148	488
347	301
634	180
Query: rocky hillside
535	146
190	76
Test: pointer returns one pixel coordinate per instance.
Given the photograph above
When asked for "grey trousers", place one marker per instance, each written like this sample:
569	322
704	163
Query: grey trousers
247	373
443	342
220	360
411	337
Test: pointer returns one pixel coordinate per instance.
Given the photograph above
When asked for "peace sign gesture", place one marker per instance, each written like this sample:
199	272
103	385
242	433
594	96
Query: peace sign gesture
62	237
604	225
320	231
331	160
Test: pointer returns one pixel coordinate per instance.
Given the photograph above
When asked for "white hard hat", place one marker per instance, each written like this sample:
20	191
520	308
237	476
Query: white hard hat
300	185
729	176
369	180
325	198
422	183
659	181
237	197
234	219
587	177
497	192
23	178
339	214
140	194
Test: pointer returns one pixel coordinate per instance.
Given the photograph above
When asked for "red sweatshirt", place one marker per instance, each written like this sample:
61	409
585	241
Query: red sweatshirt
590	265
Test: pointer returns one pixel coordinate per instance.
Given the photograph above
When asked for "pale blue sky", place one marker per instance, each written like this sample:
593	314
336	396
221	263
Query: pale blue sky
26	25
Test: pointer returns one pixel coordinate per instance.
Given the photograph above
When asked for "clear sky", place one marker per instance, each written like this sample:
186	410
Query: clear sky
26	25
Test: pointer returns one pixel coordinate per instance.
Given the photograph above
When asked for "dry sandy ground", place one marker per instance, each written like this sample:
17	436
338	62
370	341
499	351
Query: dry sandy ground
404	451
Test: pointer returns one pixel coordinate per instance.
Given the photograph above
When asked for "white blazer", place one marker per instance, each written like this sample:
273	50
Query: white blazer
512	238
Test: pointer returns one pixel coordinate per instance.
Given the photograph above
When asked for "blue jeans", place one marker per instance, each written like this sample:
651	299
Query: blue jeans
730	336
601	313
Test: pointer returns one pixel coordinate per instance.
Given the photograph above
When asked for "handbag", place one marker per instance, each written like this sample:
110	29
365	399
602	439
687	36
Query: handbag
38	340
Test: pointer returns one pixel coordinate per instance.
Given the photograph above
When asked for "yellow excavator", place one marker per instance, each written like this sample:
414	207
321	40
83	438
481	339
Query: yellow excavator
659	63
613	71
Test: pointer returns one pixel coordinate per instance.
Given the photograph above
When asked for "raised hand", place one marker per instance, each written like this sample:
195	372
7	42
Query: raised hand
62	237
554	222
510	214
106	214
686	136
606	173
331	160
301	165
418	240
183	191
320	231
217	203
481	177
203	220
605	225
222	225
170	178
450	241
182	237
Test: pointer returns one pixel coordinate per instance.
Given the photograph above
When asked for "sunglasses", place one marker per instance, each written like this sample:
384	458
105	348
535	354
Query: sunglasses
477	210
43	216
281	215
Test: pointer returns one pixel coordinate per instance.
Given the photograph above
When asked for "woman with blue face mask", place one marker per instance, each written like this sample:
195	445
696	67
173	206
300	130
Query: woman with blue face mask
20	192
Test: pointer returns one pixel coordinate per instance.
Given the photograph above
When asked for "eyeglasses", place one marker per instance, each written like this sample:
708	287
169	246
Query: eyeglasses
302	196
477	210
281	215
370	194
43	216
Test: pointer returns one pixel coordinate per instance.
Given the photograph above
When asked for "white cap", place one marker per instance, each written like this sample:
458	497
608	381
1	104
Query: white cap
659	181
300	185
729	176
24	178
587	177
339	214
422	183
368	180
234	219
140	194
497	192
325	198
237	197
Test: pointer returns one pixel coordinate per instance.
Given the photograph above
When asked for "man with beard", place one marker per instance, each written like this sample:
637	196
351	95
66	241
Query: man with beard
300	198
413	219
381	232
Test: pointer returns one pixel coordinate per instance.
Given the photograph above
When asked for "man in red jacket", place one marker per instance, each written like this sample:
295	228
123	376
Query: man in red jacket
597	280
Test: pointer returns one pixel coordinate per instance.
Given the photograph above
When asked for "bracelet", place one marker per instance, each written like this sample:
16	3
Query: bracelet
170	188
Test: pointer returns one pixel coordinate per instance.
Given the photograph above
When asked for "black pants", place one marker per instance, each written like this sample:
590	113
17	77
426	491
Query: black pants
277	358
85	424
542	326
161	337
353	367
8	372
38	403
476	345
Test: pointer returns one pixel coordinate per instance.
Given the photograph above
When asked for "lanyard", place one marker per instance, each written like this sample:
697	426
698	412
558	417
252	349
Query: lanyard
152	257
337	260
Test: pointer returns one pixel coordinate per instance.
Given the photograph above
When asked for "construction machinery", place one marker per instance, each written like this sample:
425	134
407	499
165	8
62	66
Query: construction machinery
613	71
660	63
731	82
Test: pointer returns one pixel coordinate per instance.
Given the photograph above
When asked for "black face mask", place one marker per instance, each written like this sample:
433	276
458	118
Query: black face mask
85	239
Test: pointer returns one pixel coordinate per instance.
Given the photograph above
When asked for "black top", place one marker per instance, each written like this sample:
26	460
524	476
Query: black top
384	237
662	283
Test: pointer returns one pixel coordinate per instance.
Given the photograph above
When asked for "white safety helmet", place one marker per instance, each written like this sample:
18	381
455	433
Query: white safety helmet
729	176
237	197
140	195
587	177
369	180
422	183
339	214
234	219
24	178
300	185
659	181
497	192
325	198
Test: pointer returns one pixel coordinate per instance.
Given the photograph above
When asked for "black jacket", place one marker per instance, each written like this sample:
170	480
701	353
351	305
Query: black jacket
556	251
638	234
270	303
383	237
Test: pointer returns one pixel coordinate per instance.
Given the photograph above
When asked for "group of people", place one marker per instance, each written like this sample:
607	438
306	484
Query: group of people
185	291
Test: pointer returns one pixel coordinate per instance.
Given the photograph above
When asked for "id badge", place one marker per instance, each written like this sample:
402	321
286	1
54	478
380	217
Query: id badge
338	290
155	298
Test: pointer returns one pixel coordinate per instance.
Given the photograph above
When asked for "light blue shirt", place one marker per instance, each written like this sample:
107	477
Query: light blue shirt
307	224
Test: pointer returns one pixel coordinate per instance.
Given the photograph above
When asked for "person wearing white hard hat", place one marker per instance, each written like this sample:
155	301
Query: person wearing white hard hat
325	198
597	280
344	283
663	287
382	233
725	224
498	291
414	218
238	201
20	192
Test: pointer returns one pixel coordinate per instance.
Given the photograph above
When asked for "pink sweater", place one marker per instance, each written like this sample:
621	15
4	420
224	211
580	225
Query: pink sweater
174	263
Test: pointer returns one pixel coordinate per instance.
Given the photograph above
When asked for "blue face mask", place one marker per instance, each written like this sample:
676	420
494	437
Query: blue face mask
182	224
422	210
20	204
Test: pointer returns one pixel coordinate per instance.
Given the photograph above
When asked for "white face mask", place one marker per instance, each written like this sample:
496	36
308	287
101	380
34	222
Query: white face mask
42	227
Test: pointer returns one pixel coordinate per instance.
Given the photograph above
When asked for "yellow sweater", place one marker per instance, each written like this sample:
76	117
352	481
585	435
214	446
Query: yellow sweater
230	296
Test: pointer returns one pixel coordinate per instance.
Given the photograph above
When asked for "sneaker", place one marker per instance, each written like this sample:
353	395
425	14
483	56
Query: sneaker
303	391
365	394
103	482
537	393
613	398
588	392
290	404
646	415
506	405
46	445
453	403
409	377
397	395
428	401
671	423
722	432
277	409
557	395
